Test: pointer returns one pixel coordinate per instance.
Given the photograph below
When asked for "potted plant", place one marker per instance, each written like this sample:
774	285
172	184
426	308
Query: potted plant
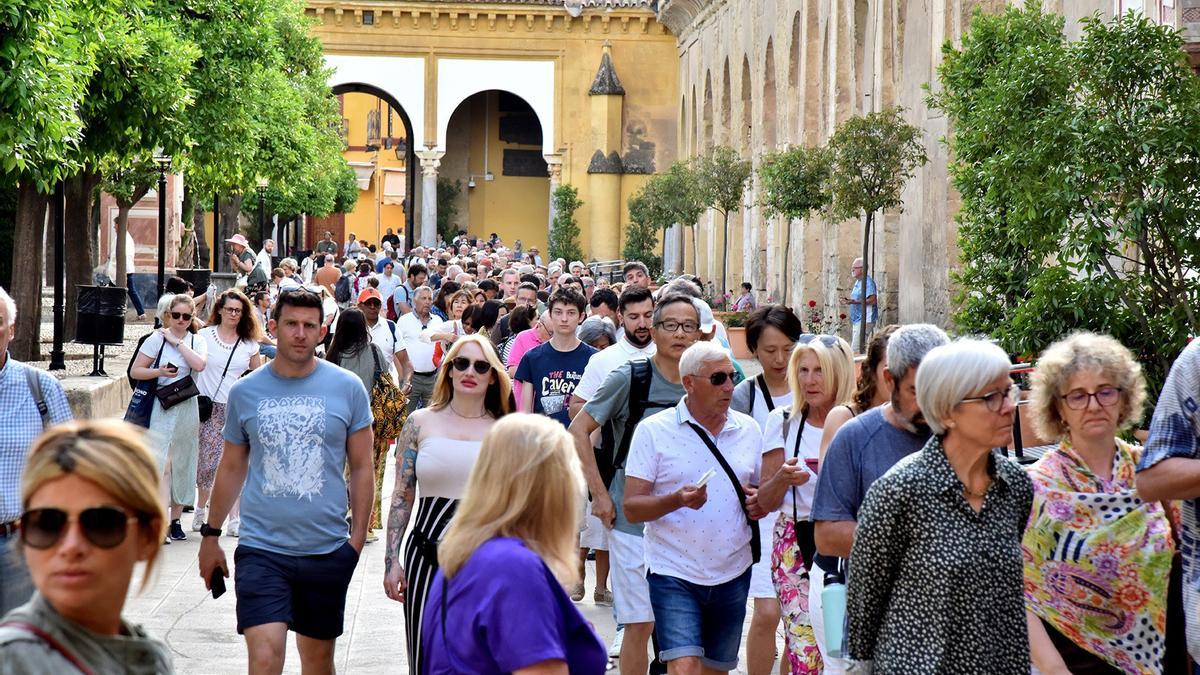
735	328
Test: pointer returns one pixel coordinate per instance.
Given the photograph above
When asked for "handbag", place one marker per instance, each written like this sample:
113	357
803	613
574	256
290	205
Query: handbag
205	403
171	395
141	404
389	405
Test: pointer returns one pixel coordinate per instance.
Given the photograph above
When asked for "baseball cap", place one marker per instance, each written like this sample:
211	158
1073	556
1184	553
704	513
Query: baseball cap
370	293
707	323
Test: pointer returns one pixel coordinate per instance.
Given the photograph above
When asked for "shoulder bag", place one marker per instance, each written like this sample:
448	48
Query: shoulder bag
389	406
171	395
141	404
205	402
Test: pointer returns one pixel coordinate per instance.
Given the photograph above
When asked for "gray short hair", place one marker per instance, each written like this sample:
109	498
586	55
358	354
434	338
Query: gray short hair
953	372
10	307
596	327
909	345
422	289
700	353
668	299
681	285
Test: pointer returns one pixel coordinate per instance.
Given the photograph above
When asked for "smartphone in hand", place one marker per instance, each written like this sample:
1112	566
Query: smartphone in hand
704	479
217	582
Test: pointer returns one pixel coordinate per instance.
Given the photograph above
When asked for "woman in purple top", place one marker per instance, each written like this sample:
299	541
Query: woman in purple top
498	604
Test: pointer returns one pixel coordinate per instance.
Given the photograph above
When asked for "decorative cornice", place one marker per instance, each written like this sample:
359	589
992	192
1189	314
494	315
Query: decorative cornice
606	83
602	16
602	164
677	15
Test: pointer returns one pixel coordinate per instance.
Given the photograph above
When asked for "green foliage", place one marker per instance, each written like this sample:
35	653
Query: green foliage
795	182
664	200
874	156
722	176
1079	169
564	235
447	206
640	241
346	195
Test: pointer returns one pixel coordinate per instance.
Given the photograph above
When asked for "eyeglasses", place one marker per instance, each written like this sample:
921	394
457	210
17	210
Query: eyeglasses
231	309
181	316
461	364
1080	399
103	526
718	378
995	400
672	326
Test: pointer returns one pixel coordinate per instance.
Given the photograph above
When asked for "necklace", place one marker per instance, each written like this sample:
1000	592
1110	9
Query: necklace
974	493
467	417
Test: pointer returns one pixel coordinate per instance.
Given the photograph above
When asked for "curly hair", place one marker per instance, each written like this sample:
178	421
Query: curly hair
1078	352
868	383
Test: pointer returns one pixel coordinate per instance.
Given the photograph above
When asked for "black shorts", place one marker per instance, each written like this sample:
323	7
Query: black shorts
308	593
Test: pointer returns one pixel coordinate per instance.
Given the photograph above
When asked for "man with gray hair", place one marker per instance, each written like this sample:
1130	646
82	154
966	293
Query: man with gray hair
32	400
862	451
688	479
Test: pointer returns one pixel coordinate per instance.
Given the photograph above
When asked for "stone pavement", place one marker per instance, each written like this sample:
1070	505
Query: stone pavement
202	632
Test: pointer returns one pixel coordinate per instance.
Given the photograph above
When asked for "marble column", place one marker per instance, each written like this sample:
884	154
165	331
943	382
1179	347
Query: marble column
554	164
430	161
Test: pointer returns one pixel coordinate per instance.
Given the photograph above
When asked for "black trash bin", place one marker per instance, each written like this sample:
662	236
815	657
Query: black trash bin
101	315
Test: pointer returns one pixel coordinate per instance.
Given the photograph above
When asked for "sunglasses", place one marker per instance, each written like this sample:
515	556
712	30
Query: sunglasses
181	315
462	363
827	340
718	378
103	526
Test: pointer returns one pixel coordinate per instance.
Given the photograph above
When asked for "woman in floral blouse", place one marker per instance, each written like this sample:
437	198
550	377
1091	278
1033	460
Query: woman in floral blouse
936	575
1097	557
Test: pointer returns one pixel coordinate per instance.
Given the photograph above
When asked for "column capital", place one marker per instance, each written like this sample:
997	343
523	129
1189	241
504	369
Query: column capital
554	164
430	161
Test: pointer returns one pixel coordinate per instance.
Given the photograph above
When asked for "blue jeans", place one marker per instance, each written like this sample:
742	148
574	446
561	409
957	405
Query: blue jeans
133	296
703	621
15	585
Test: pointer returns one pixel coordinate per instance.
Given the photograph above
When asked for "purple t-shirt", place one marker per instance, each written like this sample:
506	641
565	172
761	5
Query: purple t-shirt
506	611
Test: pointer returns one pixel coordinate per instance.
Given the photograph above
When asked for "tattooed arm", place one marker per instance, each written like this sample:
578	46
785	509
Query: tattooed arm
403	498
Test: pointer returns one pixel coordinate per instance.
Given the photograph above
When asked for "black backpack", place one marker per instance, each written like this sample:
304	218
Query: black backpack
341	291
610	456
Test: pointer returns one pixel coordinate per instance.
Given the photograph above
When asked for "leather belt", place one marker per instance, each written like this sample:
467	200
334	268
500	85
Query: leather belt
428	374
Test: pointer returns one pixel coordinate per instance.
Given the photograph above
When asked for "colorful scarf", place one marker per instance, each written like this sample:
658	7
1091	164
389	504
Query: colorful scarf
1098	559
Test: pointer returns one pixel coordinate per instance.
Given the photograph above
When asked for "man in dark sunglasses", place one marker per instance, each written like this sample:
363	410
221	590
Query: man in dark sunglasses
291	430
24	393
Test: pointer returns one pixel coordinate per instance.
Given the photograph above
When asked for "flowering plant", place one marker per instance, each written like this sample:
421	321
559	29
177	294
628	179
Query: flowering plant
815	320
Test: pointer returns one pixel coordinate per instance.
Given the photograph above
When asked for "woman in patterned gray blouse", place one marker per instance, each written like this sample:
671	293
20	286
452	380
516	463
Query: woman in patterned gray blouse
936	570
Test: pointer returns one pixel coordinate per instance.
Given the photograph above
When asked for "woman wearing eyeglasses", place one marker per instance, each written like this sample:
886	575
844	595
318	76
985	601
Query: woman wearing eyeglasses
171	354
1101	606
435	454
232	336
936	573
821	376
91	512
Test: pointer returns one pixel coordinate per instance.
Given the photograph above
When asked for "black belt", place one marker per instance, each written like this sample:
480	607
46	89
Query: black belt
8	529
427	374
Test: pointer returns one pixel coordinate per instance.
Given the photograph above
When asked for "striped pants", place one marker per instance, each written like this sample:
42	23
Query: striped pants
420	566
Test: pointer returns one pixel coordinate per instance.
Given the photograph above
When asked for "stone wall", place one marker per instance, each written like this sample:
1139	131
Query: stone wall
764	74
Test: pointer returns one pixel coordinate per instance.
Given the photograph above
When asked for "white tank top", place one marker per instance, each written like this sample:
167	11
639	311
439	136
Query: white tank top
443	465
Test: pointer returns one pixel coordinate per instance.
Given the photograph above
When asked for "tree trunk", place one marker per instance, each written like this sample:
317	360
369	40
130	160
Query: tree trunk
695	252
866	274
724	259
82	241
231	215
26	289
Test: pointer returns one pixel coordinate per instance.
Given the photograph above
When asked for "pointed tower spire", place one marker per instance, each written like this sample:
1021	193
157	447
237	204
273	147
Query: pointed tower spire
606	83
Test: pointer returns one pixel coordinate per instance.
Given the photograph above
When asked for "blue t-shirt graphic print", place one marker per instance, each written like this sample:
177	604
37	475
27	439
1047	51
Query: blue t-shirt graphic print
553	376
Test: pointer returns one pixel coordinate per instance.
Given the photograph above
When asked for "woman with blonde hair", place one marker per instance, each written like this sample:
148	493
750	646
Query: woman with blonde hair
515	516
821	376
436	450
1100	607
172	354
91	512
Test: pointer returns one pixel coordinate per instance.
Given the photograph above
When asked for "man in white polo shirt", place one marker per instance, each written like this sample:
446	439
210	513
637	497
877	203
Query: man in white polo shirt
420	351
700	540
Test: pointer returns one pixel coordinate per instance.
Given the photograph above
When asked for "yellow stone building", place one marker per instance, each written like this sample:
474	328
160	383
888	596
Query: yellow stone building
507	98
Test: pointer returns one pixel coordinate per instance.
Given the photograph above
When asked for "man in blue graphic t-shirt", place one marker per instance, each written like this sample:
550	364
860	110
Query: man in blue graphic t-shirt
551	370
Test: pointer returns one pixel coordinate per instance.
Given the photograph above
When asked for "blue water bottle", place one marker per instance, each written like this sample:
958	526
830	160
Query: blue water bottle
833	609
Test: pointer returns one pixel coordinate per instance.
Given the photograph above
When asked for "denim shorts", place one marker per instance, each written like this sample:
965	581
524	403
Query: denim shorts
703	621
308	593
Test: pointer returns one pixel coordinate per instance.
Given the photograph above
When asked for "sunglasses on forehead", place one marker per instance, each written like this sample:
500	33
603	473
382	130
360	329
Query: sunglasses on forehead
103	526
827	340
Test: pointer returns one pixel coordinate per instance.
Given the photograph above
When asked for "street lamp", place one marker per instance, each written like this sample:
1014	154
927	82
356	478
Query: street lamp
262	211
163	161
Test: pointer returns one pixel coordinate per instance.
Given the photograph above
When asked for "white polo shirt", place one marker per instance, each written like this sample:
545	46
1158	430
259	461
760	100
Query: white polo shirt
420	352
604	362
381	335
710	545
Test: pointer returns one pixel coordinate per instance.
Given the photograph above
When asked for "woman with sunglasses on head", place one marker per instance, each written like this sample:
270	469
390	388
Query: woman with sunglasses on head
874	388
232	336
169	355
1104	608
91	512
434	454
821	376
936	581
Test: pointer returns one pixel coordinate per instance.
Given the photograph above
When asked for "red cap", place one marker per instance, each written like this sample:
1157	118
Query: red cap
368	293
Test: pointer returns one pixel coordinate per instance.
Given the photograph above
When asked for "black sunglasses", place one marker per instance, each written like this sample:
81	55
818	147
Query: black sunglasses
181	315
718	378
103	526
461	364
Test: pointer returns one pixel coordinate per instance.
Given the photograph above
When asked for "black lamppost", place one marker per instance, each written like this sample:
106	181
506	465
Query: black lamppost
163	161
58	357
262	212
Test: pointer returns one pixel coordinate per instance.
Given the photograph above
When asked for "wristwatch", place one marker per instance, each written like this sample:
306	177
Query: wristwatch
206	531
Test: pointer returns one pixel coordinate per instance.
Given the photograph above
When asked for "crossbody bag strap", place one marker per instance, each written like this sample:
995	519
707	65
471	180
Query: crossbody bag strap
375	357
766	392
35	388
51	642
233	351
796	455
755	542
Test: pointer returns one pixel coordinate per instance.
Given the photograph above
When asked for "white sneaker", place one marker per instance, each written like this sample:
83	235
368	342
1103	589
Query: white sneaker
198	518
614	650
232	525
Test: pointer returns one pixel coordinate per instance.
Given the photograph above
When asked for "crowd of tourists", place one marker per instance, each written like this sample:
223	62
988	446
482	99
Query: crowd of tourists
540	415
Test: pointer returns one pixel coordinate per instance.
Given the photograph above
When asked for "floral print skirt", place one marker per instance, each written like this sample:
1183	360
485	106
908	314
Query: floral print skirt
212	443
790	577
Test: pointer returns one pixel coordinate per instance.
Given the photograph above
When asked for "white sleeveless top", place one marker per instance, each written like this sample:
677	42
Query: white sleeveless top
443	465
